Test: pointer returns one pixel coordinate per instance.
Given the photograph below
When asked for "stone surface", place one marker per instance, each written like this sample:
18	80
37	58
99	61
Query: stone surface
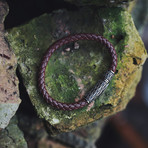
9	93
108	3
83	137
36	134
75	68
12	137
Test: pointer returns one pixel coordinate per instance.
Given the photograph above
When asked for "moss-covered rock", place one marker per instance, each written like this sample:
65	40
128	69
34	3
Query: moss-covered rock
74	69
12	137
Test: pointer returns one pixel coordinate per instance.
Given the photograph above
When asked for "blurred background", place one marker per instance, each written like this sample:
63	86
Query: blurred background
127	129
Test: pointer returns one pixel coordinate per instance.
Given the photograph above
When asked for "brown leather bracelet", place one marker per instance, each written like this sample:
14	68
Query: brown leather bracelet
99	87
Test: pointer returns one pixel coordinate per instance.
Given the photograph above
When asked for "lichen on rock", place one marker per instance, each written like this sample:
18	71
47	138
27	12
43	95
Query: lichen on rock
75	68
12	136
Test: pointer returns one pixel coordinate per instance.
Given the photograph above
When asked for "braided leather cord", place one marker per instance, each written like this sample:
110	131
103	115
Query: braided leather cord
56	45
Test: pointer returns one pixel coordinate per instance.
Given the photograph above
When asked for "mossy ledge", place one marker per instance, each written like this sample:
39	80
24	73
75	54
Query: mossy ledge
75	68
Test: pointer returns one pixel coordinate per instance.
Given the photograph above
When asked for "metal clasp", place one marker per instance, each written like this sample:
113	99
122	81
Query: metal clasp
100	87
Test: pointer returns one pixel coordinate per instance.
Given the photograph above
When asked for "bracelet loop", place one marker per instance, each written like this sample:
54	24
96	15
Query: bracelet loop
99	87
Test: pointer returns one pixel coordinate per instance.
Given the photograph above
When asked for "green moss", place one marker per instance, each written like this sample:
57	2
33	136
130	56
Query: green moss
60	84
72	72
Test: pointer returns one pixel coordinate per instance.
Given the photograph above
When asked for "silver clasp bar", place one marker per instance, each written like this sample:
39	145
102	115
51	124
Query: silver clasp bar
100	87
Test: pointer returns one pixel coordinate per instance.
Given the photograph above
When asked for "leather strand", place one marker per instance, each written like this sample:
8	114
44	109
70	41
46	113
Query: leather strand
56	45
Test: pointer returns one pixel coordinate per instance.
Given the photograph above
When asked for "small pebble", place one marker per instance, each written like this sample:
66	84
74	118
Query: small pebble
67	49
76	45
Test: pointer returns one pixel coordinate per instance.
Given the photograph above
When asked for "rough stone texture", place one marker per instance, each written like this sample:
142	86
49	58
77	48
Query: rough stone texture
83	137
108	3
33	129
12	137
9	94
75	68
37	136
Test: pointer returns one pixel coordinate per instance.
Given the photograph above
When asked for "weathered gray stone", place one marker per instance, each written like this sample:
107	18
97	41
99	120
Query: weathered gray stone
12	137
37	134
9	93
83	137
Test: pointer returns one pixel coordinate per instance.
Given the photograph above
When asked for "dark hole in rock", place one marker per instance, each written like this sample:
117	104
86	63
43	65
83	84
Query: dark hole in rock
119	37
14	93
116	71
10	67
25	106
14	83
135	61
94	66
107	106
